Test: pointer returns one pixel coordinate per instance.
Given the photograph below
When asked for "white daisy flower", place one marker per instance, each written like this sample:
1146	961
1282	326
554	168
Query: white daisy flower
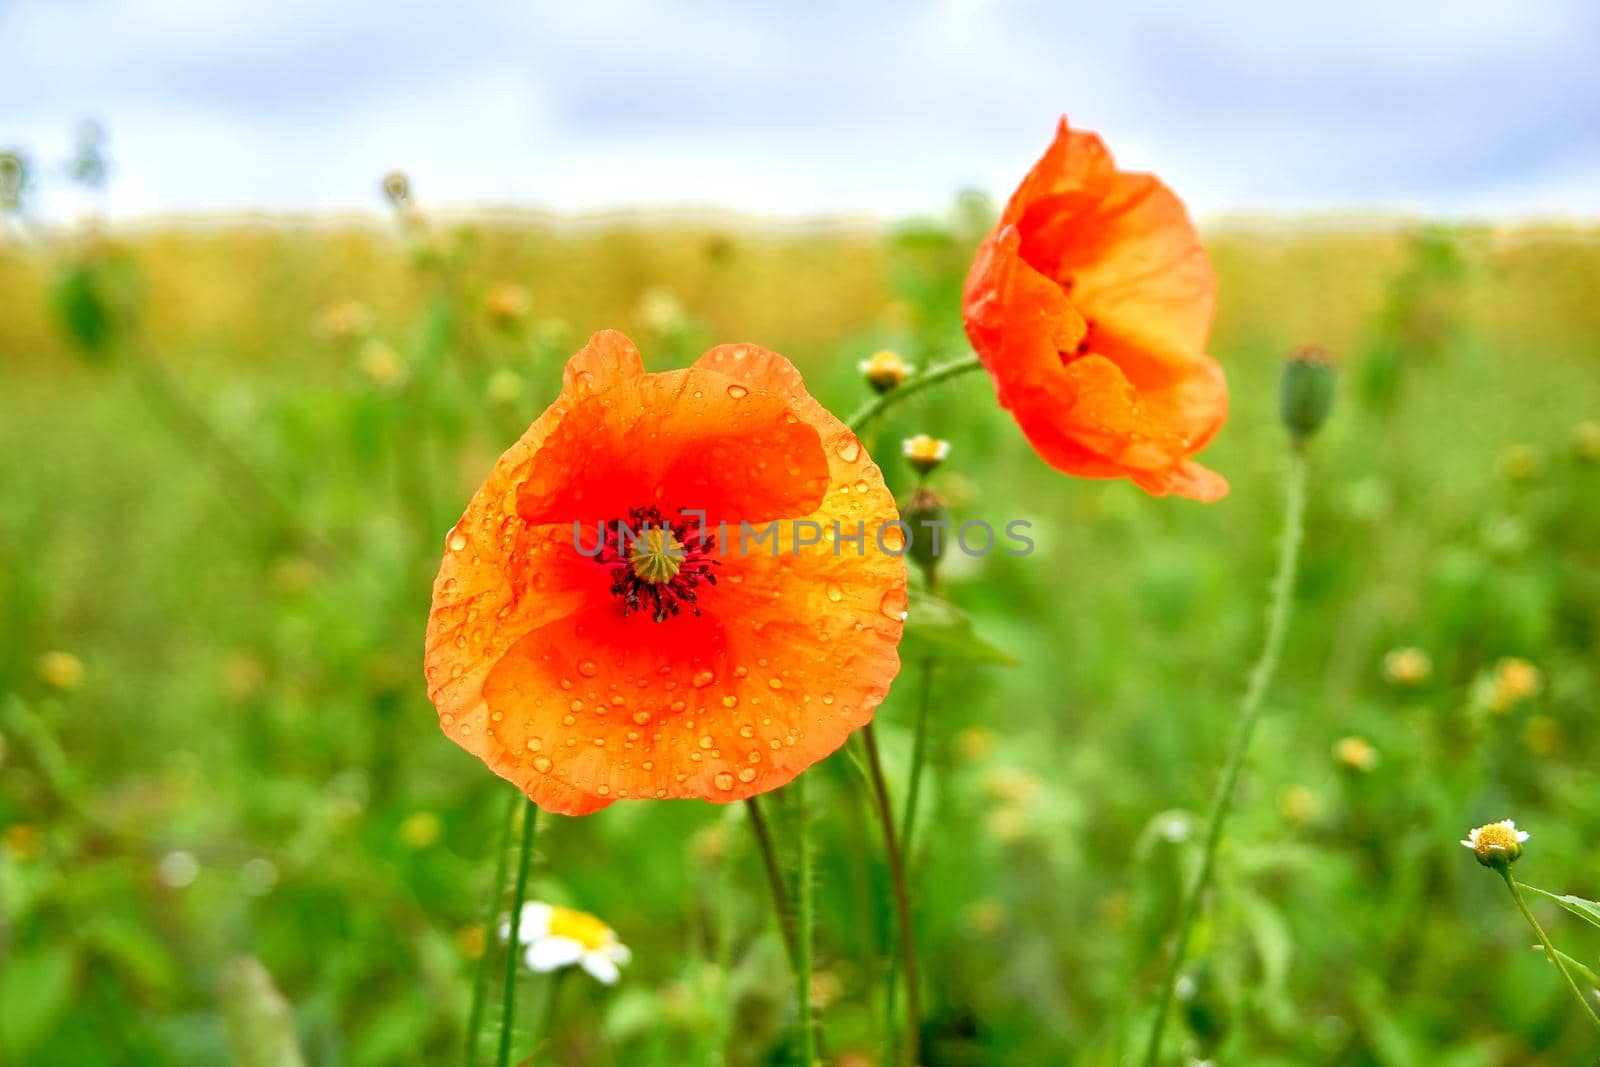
555	937
1497	844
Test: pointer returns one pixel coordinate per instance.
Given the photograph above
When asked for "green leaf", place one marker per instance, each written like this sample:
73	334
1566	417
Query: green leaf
1584	909
260	1021
35	989
937	630
1578	967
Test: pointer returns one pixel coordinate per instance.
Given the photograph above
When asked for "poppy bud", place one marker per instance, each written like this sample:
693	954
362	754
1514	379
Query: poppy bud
13	176
884	370
927	518
397	188
1204	1003
1305	391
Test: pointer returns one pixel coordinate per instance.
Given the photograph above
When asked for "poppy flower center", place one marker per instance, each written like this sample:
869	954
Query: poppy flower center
657	565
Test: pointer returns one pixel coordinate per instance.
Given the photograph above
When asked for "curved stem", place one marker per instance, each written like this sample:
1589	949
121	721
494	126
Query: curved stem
804	920
480	984
780	892
508	1012
1278	611
933	375
1549	949
902	896
919	756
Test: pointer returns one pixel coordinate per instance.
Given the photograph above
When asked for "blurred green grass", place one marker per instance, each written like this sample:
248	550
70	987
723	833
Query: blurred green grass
249	764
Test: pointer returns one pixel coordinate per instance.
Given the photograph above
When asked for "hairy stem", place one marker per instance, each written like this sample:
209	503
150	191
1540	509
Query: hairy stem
1549	949
919	756
769	861
1278	611
508	1011
804	920
480	984
932	376
902	896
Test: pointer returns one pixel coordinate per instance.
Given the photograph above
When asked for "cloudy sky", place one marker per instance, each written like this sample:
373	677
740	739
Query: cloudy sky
1455	107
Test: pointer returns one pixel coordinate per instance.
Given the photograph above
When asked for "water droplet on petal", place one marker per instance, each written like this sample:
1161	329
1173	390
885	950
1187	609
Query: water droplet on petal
747	775
542	764
738	392
457	540
835	592
893	604
723	780
848	448
703	679
588	668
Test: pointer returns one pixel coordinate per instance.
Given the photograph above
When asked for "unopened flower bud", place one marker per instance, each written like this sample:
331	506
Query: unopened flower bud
1305	391
884	370
1497	845
397	188
925	453
927	517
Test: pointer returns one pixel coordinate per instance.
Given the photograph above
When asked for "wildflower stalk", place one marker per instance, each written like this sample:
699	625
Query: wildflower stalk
1549	949
780	892
480	984
1278	611
806	908
530	822
919	756
902	895
932	376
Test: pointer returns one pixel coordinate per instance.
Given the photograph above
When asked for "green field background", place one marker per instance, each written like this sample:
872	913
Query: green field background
252	696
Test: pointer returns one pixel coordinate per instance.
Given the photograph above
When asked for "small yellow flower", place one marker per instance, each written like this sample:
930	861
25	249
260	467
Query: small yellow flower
555	937
1298	805
1497	844
1541	734
975	742
22	840
925	453
344	321
1514	681
1521	463
507	303
61	670
1407	666
1586	441
383	365
1355	753
985	917
884	370
660	310
421	829
470	941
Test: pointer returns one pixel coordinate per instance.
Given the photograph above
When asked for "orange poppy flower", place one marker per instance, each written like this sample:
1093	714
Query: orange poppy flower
1090	305
724	642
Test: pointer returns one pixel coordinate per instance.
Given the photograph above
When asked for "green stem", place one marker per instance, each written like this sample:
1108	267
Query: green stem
1549	949
1278	611
547	1026
508	1012
480	984
806	908
919	756
932	376
780	892
902	896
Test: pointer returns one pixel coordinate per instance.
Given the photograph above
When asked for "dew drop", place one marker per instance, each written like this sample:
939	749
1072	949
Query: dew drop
738	392
457	541
588	668
893	604
747	775
707	741
848	448
775	683
641	717
723	780
703	679
730	701
835	592
542	764
534	744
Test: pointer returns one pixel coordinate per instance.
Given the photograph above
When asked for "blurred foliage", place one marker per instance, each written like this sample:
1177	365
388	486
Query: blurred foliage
237	814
